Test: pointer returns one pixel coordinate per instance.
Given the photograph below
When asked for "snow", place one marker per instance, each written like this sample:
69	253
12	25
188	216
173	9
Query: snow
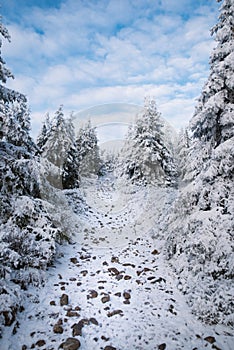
114	255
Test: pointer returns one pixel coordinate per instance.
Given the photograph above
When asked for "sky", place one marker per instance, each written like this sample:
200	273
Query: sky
87	53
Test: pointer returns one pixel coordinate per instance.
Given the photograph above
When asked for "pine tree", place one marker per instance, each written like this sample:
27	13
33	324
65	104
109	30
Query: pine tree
27	235
182	151
58	141
18	127
4	72
88	150
6	95
200	228
57	144
145	157
213	121
71	169
44	133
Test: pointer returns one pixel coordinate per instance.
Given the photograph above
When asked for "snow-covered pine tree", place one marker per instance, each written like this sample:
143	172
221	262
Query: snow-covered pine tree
44	134
27	235
182	151
145	157
7	96
70	175
88	150
71	168
58	141
18	127
201	225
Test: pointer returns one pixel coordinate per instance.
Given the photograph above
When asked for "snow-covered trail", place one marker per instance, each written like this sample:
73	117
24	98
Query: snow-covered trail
111	288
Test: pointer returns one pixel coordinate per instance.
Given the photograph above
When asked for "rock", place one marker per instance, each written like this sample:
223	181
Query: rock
126	301
85	257
129	264
150	278
70	344
171	310
92	294
77	329
104	338
147	269
118	294
64	300
93	321
113	271
127	277
109	347
162	346
71	313
115	312
105	299
155	252
84	321
40	342
74	260
210	339
52	303
60	321
58	329
127	295
115	259
84	272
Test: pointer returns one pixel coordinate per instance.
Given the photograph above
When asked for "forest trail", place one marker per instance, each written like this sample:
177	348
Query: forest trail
111	289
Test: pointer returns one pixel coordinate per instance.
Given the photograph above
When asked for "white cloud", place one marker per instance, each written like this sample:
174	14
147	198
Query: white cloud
90	53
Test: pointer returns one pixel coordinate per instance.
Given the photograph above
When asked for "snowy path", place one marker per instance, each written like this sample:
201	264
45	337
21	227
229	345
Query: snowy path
112	289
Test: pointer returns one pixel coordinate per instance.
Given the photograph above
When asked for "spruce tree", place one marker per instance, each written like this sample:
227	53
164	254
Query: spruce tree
213	121
88	150
58	141
145	156
18	127
27	235
71	169
200	229
182	152
42	138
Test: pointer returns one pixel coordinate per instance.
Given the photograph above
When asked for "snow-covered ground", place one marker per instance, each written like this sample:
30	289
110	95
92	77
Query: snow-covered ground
112	288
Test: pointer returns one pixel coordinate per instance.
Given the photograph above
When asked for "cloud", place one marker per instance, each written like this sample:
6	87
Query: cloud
82	54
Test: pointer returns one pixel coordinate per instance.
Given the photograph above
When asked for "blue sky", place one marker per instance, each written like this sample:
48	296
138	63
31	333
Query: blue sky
85	53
